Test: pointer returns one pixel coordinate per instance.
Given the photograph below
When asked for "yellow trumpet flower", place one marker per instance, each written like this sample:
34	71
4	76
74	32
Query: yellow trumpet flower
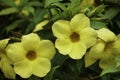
105	49
5	62
31	56
74	37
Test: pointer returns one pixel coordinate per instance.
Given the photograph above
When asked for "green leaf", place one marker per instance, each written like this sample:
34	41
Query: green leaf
112	69
9	2
8	11
23	3
58	59
60	5
35	3
50	74
39	15
29	9
30	28
48	2
54	11
79	64
55	17
74	6
34	78
106	77
98	24
98	10
13	25
75	1
117	59
72	65
118	23
112	1
111	13
46	34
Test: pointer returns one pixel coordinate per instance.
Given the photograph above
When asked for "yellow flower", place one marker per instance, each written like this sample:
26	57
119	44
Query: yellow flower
31	56
105	49
74	37
5	63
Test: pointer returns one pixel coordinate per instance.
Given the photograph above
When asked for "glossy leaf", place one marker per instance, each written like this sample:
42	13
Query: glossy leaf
106	77
35	3
50	74
29	9
14	25
8	11
112	69
9	2
98	24
48	2
111	13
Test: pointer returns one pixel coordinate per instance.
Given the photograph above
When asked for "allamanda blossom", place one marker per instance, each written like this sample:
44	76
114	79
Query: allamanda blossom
31	56
105	49
74	37
5	63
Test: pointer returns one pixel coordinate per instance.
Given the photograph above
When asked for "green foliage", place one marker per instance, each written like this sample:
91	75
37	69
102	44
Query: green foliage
29	9
112	69
113	1
9	2
106	77
8	11
35	3
74	7
13	25
98	24
111	13
34	78
51	73
49	2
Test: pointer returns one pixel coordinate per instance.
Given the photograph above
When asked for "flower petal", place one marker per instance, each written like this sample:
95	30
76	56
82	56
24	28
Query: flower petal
78	50
95	53
115	48
15	52
64	46
7	69
89	59
79	22
46	49
61	29
88	36
106	35
41	67
107	60
23	68
3	43
28	41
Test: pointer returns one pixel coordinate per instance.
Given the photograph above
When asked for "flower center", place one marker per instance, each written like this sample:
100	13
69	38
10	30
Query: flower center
31	55
107	46
2	51
75	37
